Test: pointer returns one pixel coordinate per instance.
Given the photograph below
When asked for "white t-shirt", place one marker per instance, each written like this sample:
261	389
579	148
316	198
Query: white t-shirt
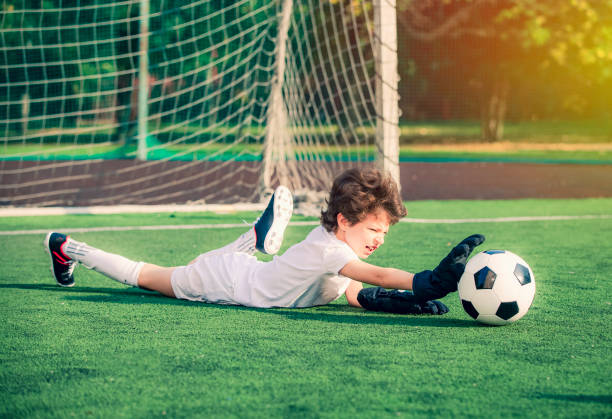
306	275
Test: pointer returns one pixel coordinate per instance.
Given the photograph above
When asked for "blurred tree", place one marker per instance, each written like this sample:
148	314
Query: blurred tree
499	44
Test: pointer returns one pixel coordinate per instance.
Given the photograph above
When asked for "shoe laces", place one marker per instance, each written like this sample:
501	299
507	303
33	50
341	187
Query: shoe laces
71	267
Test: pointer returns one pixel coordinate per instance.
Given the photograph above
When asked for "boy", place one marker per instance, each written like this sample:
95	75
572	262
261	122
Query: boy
362	204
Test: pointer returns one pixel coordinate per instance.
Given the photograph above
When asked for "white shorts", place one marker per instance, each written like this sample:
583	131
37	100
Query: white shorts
212	278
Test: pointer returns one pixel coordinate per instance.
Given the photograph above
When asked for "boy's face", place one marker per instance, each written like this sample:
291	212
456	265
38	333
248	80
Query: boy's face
364	236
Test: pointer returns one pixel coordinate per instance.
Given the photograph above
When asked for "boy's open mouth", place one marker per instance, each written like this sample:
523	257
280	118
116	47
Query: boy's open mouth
371	248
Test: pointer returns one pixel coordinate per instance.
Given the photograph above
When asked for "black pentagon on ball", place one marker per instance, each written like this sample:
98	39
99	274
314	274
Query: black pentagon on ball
469	308
507	310
494	252
522	274
485	278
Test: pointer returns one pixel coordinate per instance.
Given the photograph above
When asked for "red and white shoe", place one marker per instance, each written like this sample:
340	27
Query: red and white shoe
61	265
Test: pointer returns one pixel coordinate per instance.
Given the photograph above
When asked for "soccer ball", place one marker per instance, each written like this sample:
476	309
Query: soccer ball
497	287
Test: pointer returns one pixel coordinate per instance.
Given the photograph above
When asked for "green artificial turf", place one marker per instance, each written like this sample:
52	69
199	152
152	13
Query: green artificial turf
102	349
449	209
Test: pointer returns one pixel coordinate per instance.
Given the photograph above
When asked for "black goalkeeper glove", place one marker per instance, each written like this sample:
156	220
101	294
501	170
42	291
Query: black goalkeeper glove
431	285
400	302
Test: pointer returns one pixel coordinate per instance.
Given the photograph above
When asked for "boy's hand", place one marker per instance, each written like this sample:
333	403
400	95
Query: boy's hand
430	285
400	302
453	265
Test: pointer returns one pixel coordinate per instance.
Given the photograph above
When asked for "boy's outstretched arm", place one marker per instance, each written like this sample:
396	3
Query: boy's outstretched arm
426	285
390	301
361	271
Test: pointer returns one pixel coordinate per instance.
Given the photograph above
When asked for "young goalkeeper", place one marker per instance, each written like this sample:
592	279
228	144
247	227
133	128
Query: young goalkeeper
362	204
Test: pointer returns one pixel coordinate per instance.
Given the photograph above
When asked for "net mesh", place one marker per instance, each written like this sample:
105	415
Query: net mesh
241	96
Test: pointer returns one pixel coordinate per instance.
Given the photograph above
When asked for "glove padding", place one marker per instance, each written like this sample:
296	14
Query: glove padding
399	302
431	285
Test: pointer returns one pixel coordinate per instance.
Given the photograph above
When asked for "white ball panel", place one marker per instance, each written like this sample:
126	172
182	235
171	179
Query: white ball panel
507	287
492	319
485	301
526	295
477	262
466	286
502	263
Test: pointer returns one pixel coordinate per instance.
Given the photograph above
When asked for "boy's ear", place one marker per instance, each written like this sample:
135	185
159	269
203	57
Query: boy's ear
342	221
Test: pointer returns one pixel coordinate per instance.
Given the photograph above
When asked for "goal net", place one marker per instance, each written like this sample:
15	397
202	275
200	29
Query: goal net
126	102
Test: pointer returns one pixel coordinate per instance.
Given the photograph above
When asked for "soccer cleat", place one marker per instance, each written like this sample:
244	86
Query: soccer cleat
61	265
270	226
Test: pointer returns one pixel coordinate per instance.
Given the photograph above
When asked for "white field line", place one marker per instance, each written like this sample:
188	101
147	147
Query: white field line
127	209
304	223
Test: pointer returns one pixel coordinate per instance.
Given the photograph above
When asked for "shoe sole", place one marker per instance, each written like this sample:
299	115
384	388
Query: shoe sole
283	209
46	244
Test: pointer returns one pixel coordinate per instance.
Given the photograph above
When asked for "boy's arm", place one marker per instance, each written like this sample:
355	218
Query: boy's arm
376	275
352	292
426	285
394	301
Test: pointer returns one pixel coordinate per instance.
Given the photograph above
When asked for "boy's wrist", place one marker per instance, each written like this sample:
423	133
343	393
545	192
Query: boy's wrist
424	286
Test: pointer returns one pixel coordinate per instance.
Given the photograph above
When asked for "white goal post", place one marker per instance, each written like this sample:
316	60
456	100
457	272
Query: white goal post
173	102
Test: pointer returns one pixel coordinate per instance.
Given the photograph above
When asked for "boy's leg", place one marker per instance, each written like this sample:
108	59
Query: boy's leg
65	253
267	232
265	236
243	244
156	278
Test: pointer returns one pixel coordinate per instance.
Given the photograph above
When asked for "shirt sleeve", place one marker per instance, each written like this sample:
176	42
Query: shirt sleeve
336	257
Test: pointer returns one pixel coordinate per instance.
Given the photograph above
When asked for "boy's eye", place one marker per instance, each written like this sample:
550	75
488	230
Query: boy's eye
375	230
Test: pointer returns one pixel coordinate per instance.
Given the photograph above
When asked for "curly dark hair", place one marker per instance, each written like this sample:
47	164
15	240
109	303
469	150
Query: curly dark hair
359	192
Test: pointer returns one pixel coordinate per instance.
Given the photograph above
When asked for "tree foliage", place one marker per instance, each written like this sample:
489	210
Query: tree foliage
526	57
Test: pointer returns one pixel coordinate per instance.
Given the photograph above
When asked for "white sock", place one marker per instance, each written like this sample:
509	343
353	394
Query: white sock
113	266
243	244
